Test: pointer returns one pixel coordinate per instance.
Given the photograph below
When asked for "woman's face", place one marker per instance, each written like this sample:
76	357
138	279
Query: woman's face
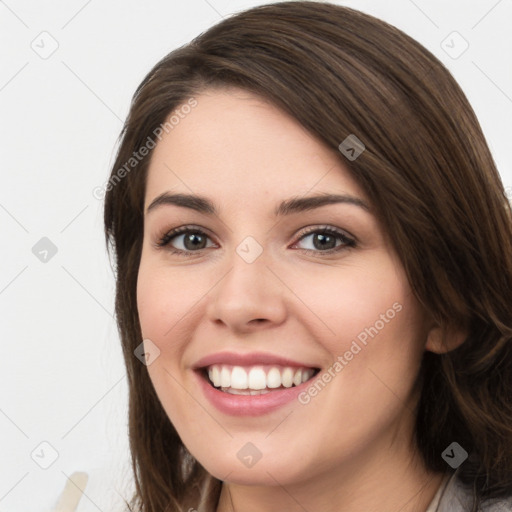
304	299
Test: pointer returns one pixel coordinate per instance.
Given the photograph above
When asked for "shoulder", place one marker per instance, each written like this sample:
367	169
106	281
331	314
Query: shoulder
458	497
498	505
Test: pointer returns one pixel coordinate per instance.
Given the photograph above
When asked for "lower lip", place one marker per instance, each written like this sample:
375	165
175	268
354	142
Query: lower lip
249	405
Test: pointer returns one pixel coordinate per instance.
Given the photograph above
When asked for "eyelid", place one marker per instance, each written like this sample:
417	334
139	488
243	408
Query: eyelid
349	240
325	227
165	238
180	230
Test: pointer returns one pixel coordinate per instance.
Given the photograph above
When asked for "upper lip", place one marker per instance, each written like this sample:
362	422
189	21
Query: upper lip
249	359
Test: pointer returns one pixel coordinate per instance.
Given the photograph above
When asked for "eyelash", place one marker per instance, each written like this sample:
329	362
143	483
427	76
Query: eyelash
166	238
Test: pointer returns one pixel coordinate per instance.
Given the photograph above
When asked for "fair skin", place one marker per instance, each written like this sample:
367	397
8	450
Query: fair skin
349	448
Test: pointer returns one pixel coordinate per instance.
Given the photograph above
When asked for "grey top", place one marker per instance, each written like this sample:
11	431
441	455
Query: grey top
454	496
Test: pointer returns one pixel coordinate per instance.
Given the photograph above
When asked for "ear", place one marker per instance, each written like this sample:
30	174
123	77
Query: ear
441	340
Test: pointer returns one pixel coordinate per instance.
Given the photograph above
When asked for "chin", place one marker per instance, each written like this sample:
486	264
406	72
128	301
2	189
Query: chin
267	471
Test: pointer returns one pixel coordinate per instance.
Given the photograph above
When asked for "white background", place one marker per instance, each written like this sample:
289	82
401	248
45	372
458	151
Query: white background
62	375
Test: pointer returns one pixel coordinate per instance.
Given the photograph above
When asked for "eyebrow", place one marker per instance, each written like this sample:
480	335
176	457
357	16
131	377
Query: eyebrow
202	204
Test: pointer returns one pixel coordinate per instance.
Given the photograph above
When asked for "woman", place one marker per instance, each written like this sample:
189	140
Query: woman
314	274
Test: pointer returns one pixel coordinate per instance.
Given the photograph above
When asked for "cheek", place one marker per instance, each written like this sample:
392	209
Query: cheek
164	301
371	325
165	308
376	351
349	300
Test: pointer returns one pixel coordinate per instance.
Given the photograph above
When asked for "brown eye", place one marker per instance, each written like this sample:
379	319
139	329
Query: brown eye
326	240
192	240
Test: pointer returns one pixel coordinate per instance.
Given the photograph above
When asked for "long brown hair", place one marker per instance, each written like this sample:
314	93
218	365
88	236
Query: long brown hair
427	171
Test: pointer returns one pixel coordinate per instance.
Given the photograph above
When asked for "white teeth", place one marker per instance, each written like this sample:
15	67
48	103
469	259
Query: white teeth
257	379
239	378
287	378
236	379
307	374
246	391
214	375
225	377
274	378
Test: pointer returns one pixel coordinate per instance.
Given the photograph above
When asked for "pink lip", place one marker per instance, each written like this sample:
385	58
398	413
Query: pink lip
250	359
248	405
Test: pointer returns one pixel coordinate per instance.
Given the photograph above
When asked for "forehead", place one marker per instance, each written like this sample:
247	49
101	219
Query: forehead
235	144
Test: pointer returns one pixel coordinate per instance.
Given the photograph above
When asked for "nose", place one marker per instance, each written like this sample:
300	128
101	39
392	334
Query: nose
249	297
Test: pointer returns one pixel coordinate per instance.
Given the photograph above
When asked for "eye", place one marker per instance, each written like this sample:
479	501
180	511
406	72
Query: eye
325	240
191	238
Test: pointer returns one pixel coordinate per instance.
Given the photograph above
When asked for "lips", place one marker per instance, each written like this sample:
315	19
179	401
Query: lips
249	359
236	382
236	404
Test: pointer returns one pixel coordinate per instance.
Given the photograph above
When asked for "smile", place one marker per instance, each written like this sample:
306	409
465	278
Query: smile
253	390
251	383
258	379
